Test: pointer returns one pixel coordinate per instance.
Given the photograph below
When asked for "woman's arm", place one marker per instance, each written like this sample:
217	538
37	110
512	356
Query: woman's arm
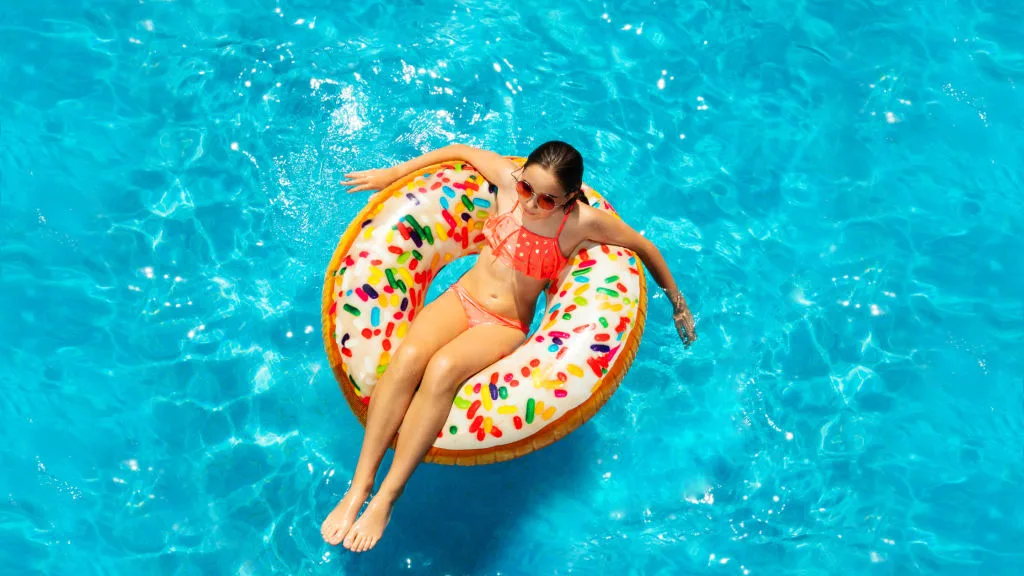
494	167
607	229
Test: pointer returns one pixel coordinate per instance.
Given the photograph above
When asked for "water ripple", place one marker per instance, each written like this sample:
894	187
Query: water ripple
834	185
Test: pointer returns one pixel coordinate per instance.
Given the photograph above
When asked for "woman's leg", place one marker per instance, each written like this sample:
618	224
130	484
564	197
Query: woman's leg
436	325
471	352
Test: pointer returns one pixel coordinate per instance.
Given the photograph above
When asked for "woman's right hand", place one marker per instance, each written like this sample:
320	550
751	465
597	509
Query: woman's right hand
376	179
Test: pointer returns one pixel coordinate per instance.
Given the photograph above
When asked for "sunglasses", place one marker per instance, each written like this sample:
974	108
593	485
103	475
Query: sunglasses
526	191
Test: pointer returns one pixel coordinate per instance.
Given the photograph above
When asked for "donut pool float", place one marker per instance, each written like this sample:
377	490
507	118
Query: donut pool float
555	381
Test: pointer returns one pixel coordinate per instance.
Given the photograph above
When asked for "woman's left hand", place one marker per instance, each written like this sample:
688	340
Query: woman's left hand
685	325
376	179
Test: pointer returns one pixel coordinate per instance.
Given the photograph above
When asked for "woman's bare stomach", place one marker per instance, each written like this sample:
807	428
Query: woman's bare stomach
502	290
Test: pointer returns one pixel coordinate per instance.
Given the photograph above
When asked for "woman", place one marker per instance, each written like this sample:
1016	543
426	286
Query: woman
542	217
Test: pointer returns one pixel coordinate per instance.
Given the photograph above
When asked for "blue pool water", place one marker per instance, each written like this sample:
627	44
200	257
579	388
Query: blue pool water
836	185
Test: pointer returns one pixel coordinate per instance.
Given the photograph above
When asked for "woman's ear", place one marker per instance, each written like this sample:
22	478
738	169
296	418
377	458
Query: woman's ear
572	201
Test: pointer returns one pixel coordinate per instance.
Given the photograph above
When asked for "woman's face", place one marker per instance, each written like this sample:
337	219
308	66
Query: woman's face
539	191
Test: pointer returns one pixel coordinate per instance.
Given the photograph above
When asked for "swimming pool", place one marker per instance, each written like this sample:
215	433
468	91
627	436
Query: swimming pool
836	185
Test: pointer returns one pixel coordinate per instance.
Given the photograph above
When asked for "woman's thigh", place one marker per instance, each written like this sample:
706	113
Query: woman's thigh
468	353
437	324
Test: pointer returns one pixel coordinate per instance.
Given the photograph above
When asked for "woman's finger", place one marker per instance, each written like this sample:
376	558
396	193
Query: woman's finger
357	181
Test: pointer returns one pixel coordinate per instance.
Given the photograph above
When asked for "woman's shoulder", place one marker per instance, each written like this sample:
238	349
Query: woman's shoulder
504	197
588	222
580	221
587	215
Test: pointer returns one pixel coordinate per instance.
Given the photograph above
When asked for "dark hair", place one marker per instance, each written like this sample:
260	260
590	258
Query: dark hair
567	165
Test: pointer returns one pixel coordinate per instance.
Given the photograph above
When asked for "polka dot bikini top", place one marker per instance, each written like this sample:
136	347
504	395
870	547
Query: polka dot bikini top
536	256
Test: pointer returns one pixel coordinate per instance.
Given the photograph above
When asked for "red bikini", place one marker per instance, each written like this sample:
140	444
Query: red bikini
536	256
516	247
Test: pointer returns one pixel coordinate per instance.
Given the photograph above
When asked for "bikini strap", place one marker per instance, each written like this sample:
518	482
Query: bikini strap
562	225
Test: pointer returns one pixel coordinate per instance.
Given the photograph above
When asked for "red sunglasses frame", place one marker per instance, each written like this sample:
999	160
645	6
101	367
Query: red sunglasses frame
526	191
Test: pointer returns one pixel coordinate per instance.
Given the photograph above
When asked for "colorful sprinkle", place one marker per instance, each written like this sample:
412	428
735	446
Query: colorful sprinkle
417	239
476	423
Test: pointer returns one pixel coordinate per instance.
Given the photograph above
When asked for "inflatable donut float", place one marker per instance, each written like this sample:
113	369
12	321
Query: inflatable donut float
555	381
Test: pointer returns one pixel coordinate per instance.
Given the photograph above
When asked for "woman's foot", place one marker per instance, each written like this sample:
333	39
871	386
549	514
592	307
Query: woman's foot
339	521
366	532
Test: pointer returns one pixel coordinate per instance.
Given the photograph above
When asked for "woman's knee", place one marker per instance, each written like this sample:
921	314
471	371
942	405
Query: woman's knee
442	375
409	361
